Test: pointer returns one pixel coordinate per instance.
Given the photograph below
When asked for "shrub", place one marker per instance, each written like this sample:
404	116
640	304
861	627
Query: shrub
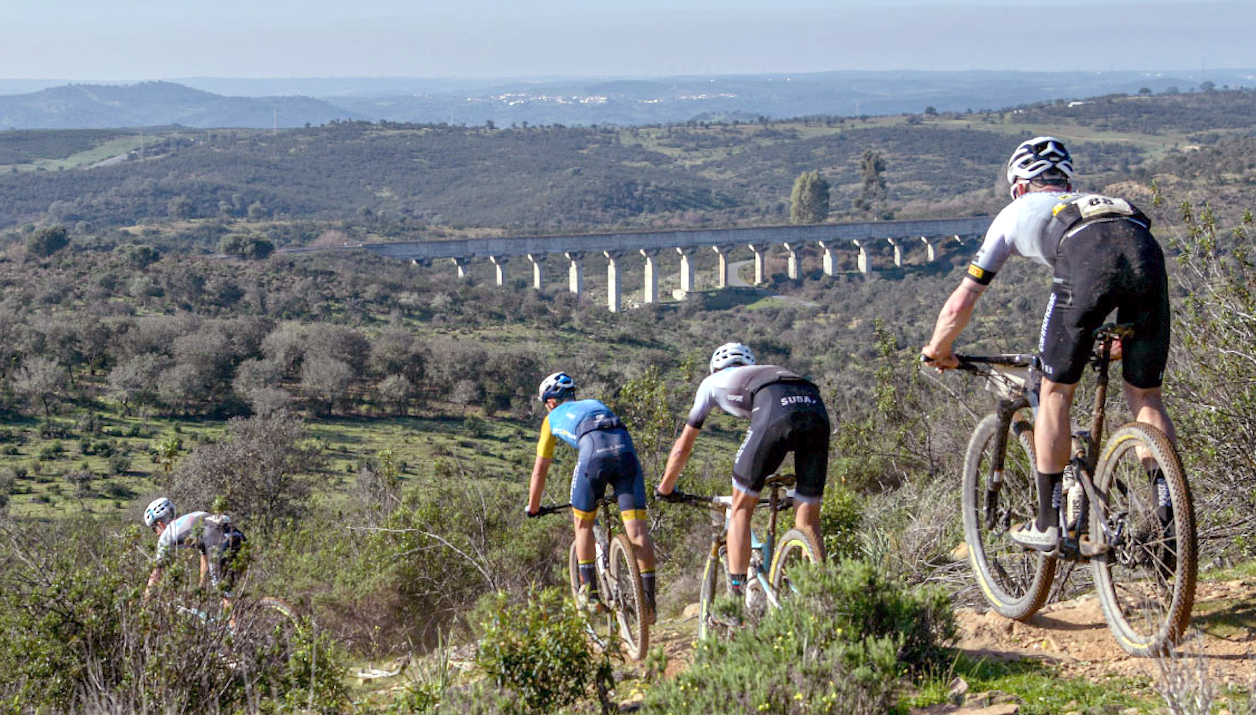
539	650
837	646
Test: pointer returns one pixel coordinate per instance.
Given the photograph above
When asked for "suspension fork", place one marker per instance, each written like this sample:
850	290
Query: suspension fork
1006	410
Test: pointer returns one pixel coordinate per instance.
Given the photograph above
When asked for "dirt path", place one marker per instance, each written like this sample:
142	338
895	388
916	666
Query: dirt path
1074	635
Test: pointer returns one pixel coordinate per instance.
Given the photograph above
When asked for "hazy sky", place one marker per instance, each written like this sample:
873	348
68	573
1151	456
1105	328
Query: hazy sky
162	39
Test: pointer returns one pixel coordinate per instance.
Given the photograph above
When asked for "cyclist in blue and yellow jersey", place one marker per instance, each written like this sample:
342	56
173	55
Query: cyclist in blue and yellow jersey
606	456
1104	258
786	415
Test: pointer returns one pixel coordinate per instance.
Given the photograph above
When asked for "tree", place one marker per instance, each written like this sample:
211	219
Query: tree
872	195
809	201
261	469
40	379
326	380
47	241
395	390
931	111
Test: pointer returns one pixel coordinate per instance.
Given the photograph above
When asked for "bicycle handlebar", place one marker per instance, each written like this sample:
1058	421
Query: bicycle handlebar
552	509
722	501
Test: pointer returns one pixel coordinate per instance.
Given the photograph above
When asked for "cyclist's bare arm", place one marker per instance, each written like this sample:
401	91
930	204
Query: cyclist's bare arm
536	487
955	314
677	458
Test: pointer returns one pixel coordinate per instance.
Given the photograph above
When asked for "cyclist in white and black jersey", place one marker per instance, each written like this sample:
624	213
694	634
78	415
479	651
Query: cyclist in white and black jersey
213	535
786	415
1104	258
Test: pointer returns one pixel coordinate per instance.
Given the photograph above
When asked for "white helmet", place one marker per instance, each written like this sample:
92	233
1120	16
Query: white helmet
1038	156
558	385
159	510
730	354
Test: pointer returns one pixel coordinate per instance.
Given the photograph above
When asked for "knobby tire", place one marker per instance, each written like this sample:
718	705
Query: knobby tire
1146	582
629	598
798	545
1014	581
715	583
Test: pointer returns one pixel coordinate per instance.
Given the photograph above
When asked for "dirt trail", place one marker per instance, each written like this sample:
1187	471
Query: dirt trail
1074	635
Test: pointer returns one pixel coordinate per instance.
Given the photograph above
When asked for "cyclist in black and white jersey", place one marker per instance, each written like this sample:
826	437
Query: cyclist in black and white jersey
786	415
213	535
1104	258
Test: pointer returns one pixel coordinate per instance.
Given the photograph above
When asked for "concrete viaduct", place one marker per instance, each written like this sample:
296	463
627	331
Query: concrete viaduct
615	247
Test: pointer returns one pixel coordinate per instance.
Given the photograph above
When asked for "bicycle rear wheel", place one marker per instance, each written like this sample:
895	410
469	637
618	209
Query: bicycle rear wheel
715	583
1146	580
628	598
797	546
1014	581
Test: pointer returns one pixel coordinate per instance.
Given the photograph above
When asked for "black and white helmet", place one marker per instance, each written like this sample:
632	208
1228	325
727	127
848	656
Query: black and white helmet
730	354
559	385
1039	156
160	509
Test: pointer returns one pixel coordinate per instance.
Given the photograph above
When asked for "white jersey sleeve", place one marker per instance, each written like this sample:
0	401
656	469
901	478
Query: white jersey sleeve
1019	229
182	533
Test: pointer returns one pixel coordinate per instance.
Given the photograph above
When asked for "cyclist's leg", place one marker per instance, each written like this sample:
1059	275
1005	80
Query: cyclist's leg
811	463
762	452
583	513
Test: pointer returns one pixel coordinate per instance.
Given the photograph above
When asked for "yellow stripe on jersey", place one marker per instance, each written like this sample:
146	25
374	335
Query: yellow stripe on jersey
545	445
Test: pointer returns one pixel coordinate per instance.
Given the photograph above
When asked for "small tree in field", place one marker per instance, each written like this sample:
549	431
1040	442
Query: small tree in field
809	201
261	470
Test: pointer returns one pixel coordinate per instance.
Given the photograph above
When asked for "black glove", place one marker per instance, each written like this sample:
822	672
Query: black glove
531	514
671	497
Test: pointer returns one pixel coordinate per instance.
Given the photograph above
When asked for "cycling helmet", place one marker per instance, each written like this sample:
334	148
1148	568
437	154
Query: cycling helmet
730	354
1039	156
559	385
159	510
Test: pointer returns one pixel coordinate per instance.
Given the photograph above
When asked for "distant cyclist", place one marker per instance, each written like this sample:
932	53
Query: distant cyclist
1105	259
605	457
213	535
786	415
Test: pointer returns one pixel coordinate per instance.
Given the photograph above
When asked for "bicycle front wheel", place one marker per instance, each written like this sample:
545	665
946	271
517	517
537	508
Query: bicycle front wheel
573	571
628	598
715	583
797	546
996	498
1146	578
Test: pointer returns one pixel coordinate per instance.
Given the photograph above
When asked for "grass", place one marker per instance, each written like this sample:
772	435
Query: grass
1039	688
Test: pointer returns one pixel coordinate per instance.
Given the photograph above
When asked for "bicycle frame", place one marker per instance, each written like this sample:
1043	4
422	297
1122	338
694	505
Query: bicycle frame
1019	395
765	547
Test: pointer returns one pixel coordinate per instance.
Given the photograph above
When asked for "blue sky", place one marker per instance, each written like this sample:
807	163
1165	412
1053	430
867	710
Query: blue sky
85	40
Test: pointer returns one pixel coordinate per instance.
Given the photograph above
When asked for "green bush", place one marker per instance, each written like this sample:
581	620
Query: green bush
838	646
540	651
841	519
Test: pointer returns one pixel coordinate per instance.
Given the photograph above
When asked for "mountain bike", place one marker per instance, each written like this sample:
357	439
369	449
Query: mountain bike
770	561
619	584
1136	530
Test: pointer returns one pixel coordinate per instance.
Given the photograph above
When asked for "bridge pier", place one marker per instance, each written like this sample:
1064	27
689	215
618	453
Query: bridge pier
500	262
898	251
792	263
651	275
865	261
721	276
829	258
686	272
461	265
538	259
575	273
612	280
758	250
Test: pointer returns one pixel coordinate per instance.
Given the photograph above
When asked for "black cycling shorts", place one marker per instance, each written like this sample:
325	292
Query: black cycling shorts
222	544
1101	267
607	457
786	417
